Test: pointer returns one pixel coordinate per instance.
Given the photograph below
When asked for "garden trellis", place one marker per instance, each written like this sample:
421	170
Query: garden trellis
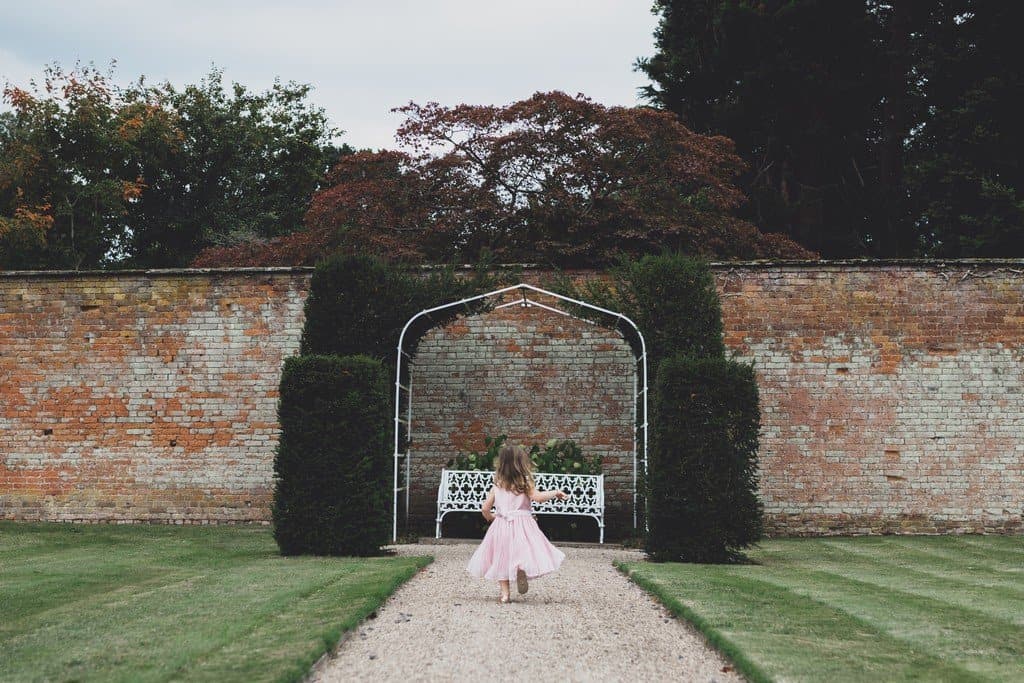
527	297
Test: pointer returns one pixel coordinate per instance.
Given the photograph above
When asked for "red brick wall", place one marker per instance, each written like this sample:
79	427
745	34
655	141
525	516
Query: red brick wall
143	397
892	396
891	392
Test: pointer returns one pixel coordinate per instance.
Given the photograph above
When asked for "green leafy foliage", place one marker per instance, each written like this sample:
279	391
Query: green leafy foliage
795	84
332	464
475	460
703	496
96	175
359	303
965	174
71	158
242	170
557	456
563	456
671	297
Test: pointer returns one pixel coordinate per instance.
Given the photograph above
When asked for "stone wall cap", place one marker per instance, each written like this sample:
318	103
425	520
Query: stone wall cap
156	272
809	264
872	263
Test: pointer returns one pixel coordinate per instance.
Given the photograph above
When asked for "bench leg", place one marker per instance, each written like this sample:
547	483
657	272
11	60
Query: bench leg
601	537
437	529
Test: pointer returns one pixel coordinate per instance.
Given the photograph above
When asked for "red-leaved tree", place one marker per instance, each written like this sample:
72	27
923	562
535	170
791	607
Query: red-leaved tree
552	178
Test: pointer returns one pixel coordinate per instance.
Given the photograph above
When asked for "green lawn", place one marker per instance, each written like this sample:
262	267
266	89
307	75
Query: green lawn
894	608
154	603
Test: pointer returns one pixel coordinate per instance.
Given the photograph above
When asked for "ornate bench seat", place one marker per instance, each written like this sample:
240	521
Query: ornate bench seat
466	490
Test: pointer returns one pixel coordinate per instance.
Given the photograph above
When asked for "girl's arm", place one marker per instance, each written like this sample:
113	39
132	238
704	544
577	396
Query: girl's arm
544	496
488	504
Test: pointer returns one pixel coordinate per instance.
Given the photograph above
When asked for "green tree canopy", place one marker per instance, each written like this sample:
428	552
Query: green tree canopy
95	175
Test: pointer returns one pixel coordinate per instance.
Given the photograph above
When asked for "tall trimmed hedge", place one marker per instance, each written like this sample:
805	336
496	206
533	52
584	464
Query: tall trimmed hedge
703	495
358	304
333	462
702	499
672	299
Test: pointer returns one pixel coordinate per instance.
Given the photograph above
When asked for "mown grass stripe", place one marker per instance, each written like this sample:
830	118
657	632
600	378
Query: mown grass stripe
974	639
768	630
984	584
872	609
215	590
994	560
232	656
51	597
1009	544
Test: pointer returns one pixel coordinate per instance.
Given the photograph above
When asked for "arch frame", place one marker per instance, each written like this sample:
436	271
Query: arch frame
403	358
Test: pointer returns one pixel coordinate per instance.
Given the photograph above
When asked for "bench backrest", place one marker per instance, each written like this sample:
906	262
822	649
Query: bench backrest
465	490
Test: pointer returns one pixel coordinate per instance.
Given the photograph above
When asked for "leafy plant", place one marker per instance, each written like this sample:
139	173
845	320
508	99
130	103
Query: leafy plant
564	456
480	461
558	456
671	297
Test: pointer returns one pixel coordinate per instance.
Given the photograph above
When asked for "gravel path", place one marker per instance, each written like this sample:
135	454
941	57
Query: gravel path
586	622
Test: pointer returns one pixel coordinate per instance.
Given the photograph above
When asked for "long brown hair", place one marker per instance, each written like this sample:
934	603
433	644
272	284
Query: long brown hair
515	470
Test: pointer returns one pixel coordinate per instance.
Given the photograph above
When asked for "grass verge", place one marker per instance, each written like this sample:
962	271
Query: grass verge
155	603
947	608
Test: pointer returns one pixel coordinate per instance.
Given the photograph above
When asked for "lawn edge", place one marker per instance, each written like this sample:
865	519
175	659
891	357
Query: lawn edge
334	638
728	648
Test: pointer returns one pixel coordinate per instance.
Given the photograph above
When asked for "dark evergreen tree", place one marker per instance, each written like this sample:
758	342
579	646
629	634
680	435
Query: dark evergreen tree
870	127
965	176
796	85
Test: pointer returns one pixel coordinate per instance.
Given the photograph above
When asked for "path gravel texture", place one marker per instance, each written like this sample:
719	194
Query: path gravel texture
586	622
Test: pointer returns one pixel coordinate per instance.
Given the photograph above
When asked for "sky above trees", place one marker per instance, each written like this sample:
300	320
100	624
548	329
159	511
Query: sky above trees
362	58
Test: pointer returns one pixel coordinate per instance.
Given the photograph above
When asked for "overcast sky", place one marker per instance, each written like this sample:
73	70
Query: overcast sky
363	58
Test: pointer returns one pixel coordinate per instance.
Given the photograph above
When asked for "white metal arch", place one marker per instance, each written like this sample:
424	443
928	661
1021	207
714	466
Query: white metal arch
640	421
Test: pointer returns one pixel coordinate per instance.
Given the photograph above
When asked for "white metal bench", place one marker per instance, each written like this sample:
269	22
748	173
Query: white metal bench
466	490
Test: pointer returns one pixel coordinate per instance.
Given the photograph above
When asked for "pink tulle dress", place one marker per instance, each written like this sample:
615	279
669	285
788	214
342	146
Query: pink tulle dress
513	542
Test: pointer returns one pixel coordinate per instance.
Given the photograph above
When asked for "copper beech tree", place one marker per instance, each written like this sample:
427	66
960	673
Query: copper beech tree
552	178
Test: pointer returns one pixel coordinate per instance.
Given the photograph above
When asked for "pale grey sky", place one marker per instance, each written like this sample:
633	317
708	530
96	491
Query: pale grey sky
363	58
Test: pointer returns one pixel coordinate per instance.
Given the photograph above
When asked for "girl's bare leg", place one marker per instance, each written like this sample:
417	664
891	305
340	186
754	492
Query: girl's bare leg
504	591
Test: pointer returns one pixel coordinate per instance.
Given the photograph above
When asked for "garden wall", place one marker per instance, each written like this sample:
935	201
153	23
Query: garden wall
891	392
143	396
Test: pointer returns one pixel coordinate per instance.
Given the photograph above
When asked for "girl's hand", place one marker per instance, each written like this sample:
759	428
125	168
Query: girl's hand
561	495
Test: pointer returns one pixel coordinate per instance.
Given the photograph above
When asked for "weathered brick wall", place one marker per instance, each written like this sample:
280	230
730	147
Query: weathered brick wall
892	395
143	397
533	375
891	392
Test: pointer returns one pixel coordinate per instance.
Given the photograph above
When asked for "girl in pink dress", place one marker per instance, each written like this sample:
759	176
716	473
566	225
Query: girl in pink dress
514	547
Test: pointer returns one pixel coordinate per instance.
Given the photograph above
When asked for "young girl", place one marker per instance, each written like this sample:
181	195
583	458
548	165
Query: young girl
514	547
